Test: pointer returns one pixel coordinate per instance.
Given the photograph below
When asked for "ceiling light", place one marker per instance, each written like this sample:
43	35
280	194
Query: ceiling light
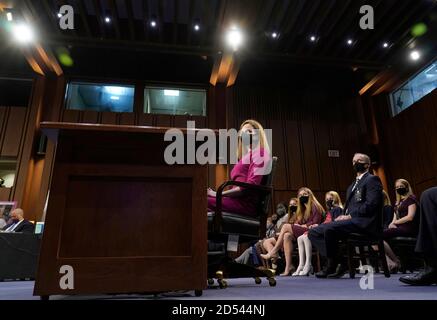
350	42
274	35
23	33
196	27
115	98
385	45
313	38
59	15
153	23
9	16
415	55
107	20
234	38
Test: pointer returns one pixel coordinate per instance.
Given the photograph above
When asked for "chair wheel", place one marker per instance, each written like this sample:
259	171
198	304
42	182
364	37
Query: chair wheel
257	280
272	282
210	282
222	283
198	293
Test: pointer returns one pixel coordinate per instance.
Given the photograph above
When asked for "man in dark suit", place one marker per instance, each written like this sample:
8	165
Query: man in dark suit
17	223
362	214
426	241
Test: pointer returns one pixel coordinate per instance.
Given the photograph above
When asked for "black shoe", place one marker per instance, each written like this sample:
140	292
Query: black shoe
330	268
339	272
425	278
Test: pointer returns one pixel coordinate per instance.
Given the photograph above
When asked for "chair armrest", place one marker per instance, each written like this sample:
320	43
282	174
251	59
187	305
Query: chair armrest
217	222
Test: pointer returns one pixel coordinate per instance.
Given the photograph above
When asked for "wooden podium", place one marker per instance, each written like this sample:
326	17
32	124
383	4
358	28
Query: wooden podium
119	216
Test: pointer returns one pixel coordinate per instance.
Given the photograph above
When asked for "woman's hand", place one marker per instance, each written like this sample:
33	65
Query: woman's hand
211	193
313	226
392	226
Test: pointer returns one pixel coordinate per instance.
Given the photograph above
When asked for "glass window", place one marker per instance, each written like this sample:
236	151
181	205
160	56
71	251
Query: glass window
7	172
100	97
415	89
175	101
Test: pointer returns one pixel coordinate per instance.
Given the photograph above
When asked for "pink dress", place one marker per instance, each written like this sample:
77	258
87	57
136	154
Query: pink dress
247	170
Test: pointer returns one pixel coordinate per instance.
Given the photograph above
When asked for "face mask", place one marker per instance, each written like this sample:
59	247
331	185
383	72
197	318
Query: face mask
304	199
293	209
402	191
281	211
330	203
359	167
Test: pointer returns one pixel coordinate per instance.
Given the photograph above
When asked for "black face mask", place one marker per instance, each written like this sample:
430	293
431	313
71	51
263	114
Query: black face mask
293	209
402	191
304	199
329	204
359	167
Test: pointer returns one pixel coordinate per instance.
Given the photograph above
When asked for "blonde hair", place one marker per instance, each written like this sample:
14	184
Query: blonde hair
336	196
303	212
387	201
406	184
262	137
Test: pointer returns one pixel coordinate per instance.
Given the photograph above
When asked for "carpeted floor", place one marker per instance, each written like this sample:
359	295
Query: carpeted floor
287	288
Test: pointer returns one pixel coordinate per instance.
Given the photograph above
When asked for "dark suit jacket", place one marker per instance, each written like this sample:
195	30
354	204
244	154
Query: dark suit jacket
365	204
25	227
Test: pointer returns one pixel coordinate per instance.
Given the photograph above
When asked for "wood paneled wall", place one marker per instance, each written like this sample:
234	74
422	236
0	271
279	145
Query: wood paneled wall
305	125
408	142
13	123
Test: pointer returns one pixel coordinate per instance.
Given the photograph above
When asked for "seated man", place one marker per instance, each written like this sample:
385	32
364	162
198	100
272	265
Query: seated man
426	240
362	214
19	224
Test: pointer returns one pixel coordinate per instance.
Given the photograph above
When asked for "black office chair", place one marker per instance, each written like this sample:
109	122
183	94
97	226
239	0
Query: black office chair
222	225
361	241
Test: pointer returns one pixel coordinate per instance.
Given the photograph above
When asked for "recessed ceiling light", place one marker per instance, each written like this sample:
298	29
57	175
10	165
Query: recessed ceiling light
313	38
196	27
415	55
350	42
153	23
274	35
107	19
385	45
59	15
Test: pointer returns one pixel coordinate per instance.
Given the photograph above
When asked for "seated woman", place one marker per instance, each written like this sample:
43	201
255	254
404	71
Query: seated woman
334	209
309	212
269	242
403	223
253	153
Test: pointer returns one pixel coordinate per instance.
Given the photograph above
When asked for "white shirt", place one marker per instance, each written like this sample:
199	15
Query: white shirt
14	226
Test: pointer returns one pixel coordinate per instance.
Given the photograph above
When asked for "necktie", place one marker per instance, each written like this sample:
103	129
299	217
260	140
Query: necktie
11	228
356	183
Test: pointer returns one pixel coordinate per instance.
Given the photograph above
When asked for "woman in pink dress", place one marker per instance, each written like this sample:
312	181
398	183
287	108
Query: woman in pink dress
253	156
309	212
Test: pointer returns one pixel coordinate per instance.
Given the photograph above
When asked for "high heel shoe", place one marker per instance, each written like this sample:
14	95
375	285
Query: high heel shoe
306	271
269	256
298	270
287	273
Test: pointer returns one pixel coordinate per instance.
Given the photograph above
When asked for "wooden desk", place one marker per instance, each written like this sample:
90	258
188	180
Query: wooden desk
120	216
